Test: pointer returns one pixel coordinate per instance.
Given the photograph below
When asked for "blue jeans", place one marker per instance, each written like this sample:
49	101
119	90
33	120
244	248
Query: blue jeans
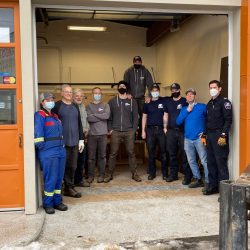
191	146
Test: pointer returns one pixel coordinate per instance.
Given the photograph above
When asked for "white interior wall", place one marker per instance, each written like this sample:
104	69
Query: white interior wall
192	55
89	56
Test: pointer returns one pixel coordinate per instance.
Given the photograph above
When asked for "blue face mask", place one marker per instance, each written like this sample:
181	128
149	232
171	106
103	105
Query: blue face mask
155	94
97	97
49	105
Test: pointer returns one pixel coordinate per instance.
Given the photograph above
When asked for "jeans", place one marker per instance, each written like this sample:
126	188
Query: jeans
191	146
154	136
117	137
97	147
71	164
175	143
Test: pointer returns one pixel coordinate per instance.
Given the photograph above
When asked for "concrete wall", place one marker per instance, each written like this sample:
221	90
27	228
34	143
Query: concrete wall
78	56
192	55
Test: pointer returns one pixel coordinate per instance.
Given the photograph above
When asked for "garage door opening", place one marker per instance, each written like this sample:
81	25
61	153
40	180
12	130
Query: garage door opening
175	47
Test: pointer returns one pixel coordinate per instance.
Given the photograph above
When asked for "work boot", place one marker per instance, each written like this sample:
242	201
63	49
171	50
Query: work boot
186	182
171	179
108	178
206	187
83	184
196	183
164	177
72	193
136	177
49	210
61	207
211	191
90	179
151	177
100	179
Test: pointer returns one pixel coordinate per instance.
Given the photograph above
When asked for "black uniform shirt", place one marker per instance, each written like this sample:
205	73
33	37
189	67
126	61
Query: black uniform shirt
173	109
219	114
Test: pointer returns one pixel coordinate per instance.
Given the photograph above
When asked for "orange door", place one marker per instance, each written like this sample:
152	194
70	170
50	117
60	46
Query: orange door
11	138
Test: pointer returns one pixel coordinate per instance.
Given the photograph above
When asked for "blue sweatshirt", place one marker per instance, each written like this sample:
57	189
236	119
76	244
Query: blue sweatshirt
194	121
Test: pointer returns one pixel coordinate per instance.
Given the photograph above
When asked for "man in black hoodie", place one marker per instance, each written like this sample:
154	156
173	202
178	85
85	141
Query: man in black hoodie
138	79
122	124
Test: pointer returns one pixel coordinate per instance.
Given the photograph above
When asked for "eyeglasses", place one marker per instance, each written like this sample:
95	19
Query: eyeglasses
67	92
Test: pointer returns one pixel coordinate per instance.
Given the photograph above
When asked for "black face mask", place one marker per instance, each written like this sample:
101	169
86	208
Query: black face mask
137	66
175	94
122	91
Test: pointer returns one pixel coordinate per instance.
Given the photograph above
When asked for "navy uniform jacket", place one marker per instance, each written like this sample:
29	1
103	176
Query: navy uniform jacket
219	114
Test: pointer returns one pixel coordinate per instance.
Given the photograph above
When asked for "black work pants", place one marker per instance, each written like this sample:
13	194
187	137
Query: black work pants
217	157
140	103
154	136
175	144
81	162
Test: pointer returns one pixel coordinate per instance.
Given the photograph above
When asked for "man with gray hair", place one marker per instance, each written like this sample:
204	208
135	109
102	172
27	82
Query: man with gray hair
69	113
78	98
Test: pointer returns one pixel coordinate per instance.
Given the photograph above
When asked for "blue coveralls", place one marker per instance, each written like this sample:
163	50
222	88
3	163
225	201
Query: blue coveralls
51	154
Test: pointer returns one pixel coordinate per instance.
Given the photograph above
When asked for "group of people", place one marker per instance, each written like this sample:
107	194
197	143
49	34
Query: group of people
67	133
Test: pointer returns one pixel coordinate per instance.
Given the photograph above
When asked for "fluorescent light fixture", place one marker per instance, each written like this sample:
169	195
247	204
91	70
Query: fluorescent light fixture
87	28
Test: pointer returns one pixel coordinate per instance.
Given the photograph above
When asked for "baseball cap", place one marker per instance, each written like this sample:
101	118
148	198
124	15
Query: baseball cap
46	95
137	58
191	90
155	86
122	83
175	86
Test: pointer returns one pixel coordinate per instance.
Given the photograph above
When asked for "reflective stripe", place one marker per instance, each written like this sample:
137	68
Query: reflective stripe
39	139
57	191
48	193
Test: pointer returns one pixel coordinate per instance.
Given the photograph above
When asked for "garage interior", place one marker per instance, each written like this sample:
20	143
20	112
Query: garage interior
190	49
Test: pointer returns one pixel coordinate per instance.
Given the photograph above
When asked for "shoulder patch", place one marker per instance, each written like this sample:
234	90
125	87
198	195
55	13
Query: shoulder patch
42	113
227	105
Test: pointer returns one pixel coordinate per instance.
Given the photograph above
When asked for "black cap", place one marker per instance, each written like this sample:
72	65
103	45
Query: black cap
175	86
137	58
155	86
191	90
122	82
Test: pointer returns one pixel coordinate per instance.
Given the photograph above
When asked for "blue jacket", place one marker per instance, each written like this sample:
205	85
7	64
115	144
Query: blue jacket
194	121
48	134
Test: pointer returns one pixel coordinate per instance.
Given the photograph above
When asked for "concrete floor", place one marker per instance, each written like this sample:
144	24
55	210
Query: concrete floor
124	214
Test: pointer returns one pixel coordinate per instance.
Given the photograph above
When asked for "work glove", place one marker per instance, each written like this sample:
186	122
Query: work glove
81	146
222	141
203	139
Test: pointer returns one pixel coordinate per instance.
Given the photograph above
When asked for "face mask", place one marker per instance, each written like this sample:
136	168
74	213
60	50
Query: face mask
155	94
175	94
49	105
122	91
213	92
137	66
97	97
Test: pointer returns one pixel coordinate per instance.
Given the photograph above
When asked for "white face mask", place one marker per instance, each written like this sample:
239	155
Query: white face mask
213	92
155	94
49	105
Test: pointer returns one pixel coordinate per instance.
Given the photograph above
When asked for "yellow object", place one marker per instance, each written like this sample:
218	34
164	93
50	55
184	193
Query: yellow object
222	141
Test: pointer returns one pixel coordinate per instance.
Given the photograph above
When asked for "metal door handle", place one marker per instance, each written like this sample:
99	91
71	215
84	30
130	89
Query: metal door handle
20	140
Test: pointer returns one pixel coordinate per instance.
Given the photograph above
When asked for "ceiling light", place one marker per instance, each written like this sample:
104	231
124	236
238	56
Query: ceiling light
87	28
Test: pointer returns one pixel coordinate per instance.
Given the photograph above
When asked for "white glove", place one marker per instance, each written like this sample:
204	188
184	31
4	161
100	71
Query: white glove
81	146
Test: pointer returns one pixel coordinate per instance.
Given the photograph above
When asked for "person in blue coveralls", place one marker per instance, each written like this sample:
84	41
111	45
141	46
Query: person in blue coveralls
51	153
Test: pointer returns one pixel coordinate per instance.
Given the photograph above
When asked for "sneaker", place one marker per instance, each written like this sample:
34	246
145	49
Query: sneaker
61	207
171	179
151	177
49	210
108	178
136	177
197	183
83	184
100	179
72	193
90	179
211	191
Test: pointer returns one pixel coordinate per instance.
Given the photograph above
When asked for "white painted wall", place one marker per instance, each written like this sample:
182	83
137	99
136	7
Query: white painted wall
192	55
90	56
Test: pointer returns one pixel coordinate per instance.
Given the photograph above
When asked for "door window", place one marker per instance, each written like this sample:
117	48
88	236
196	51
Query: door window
7	106
6	25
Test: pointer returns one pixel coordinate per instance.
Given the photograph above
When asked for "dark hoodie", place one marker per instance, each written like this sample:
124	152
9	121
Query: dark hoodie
138	80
